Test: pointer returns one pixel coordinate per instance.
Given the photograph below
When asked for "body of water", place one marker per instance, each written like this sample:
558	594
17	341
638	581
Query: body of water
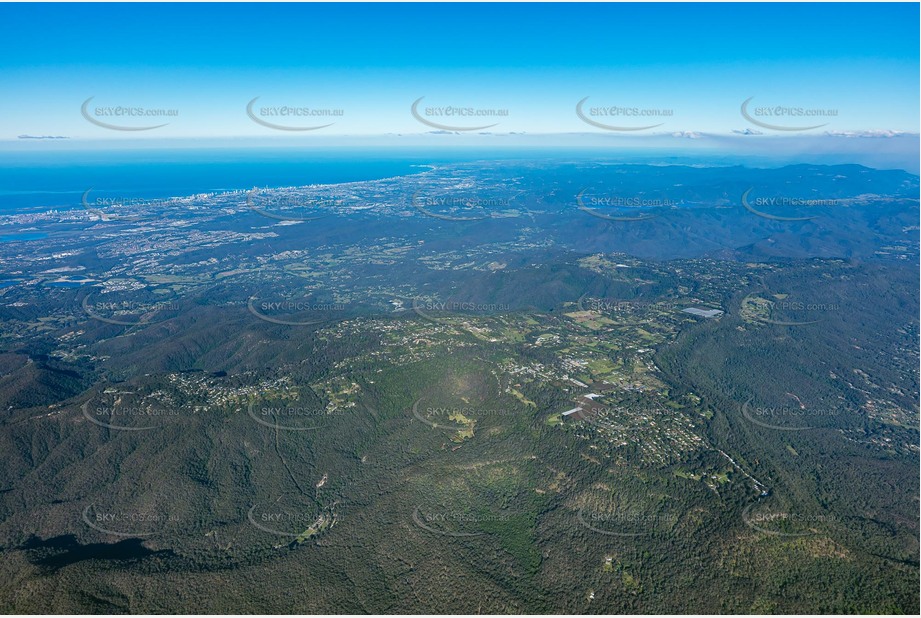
45	180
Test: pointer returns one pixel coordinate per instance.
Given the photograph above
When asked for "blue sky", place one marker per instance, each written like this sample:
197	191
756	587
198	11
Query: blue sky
694	63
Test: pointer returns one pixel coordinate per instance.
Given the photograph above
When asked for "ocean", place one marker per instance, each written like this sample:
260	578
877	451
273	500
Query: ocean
37	181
